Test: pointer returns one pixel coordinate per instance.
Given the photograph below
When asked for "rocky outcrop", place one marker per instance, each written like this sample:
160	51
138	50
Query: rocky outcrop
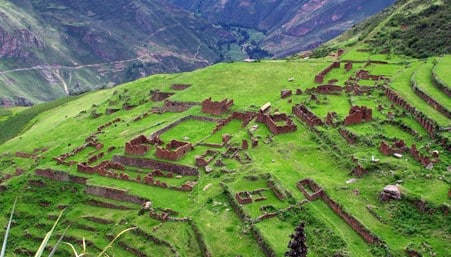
390	192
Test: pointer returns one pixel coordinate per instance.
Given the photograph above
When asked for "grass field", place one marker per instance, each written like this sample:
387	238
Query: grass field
319	153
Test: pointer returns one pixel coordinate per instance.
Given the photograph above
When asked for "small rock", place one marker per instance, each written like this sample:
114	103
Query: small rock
206	187
350	181
178	176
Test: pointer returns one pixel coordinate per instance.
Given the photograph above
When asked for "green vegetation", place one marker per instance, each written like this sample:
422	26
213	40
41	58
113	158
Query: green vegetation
413	28
16	124
208	218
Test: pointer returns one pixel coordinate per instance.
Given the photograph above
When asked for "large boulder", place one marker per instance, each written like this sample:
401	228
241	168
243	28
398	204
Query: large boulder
390	192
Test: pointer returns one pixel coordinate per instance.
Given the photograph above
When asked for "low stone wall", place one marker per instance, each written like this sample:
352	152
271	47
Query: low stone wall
60	176
319	78
306	115
270	122
352	222
318	193
428	124
430	101
177	122
440	84
216	108
114	194
156	165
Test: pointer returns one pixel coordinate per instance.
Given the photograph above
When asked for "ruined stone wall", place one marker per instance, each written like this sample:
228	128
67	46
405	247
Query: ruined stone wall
358	115
60	176
306	115
430	101
424	121
317	191
114	194
348	66
158	96
365	75
156	165
352	222
272	185
270	122
180	86
174	150
216	108
440	84
349	136
325	89
319	78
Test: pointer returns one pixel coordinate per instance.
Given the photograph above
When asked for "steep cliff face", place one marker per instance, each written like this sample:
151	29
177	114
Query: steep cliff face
51	48
289	26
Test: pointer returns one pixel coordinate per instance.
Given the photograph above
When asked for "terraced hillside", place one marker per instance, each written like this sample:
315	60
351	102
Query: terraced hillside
238	154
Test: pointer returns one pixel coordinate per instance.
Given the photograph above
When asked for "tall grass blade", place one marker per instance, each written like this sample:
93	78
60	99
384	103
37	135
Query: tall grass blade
47	237
2	253
112	241
58	242
73	249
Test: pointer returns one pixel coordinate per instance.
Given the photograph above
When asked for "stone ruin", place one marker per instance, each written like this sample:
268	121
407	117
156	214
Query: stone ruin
358	115
150	180
101	169
312	191
156	165
319	78
157	95
423	159
424	121
330	117
303	113
431	101
348	66
174	150
140	145
399	147
359	171
205	159
180	86
216	108
325	89
246	197
173	106
277	123
349	136
245	117
285	93
60	176
115	194
277	192
365	75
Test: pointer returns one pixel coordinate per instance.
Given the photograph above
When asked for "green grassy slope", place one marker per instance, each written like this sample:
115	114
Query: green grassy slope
412	28
321	154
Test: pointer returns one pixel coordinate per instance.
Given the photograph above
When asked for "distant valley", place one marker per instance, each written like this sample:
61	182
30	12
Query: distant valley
50	49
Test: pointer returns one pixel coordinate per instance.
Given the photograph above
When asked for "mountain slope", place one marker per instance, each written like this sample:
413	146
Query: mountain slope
410	27
76	46
289	26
